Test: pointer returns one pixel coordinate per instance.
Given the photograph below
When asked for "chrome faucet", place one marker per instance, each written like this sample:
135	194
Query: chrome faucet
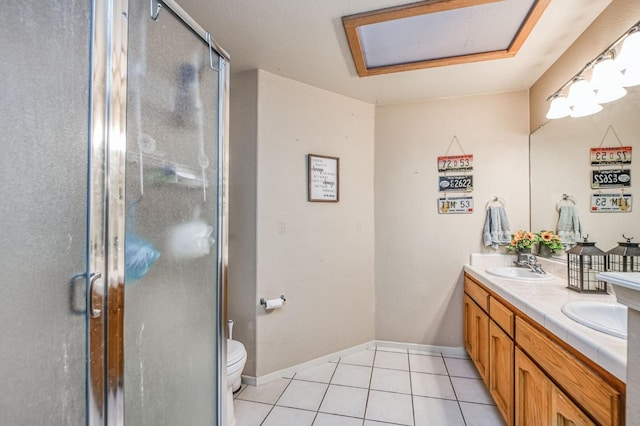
530	261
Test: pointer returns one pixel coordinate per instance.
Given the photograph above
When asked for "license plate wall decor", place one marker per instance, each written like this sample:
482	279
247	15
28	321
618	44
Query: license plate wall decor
610	155
455	163
462	183
455	205
610	179
611	203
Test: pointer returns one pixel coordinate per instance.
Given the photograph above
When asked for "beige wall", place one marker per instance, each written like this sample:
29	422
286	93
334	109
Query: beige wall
611	24
319	255
243	167
419	253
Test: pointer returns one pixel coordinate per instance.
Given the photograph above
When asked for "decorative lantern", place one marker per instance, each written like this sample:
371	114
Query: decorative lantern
625	257
585	261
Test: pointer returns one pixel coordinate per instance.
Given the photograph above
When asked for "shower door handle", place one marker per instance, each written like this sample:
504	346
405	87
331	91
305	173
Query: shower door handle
93	311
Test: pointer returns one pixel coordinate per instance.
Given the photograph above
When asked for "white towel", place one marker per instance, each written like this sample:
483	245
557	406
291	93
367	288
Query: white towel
569	229
496	227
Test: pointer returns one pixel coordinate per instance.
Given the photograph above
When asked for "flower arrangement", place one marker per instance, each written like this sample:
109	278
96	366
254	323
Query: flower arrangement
522	240
551	240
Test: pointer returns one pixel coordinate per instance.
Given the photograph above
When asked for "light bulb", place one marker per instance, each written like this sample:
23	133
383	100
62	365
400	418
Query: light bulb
629	52
631	76
607	81
559	107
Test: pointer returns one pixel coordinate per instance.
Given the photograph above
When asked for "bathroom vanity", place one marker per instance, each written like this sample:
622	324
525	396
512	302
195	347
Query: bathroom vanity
541	367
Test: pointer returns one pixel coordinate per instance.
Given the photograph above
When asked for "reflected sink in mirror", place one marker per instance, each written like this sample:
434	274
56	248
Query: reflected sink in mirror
519	274
609	318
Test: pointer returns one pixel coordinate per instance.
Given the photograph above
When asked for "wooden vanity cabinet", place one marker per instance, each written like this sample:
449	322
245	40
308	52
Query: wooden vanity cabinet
533	377
488	338
539	401
476	337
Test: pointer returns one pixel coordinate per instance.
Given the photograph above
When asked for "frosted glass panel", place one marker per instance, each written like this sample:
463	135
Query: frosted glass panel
171	267
44	69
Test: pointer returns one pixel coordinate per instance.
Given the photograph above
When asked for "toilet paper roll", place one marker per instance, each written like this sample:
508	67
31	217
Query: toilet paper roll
274	304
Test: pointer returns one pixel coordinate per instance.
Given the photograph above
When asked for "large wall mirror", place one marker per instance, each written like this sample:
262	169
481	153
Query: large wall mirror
560	164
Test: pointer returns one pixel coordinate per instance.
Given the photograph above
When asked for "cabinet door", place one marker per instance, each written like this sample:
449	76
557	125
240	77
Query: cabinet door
501	370
565	412
533	393
476	337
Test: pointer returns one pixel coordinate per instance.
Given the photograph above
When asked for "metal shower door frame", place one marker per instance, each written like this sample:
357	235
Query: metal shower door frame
106	209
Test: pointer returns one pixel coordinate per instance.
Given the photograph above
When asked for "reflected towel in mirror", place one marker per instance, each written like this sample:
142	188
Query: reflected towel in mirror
569	229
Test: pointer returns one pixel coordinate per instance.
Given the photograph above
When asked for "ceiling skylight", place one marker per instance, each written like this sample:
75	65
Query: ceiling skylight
437	33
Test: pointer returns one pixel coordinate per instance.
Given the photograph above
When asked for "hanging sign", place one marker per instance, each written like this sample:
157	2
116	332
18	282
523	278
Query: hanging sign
611	203
610	179
455	163
610	156
462	183
455	205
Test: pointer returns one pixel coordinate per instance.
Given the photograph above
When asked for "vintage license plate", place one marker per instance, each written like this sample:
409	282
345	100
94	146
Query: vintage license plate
463	183
611	203
610	179
453	205
455	162
611	155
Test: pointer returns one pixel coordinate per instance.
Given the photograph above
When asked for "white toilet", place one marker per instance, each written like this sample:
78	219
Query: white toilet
236	359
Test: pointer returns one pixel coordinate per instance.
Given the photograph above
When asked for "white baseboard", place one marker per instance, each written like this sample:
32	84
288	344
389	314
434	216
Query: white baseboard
448	351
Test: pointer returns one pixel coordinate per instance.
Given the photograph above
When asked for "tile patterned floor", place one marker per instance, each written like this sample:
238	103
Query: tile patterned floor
375	387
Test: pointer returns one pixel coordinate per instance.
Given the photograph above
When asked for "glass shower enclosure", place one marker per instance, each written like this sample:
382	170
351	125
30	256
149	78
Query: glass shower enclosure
113	215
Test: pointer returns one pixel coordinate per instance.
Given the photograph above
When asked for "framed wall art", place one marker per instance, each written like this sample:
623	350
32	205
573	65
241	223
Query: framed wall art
323	178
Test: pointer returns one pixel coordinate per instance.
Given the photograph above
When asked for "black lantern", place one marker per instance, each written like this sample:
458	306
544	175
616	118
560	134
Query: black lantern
585	261
625	257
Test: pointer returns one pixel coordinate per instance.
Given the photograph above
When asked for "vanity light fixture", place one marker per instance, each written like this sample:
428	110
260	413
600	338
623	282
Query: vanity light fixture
615	68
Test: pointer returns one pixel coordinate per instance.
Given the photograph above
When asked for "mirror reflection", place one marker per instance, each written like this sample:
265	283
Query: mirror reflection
562	173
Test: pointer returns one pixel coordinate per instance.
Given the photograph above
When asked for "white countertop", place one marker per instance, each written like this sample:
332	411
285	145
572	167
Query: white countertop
542	302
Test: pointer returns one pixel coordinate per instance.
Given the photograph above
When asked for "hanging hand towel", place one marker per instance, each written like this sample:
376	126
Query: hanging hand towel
496	227
569	229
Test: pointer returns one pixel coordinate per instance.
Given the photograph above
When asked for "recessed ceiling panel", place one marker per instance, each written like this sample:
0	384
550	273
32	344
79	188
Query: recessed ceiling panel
436	33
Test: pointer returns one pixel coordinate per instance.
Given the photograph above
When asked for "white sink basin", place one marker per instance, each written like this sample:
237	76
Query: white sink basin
520	274
609	318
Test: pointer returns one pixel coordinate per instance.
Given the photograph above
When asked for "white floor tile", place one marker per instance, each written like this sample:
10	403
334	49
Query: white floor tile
432	385
427	364
304	395
434	411
324	419
250	413
321	373
391	380
471	390
360	358
267	393
481	415
282	416
393	360
461	368
352	375
344	400
390	407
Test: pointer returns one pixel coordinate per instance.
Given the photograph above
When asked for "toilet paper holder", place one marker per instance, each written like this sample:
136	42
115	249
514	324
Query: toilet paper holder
263	301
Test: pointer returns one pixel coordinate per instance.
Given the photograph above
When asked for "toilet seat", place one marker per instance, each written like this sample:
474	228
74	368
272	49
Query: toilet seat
236	353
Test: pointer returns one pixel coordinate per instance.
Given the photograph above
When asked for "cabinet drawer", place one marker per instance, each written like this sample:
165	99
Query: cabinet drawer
501	315
584	386
477	293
